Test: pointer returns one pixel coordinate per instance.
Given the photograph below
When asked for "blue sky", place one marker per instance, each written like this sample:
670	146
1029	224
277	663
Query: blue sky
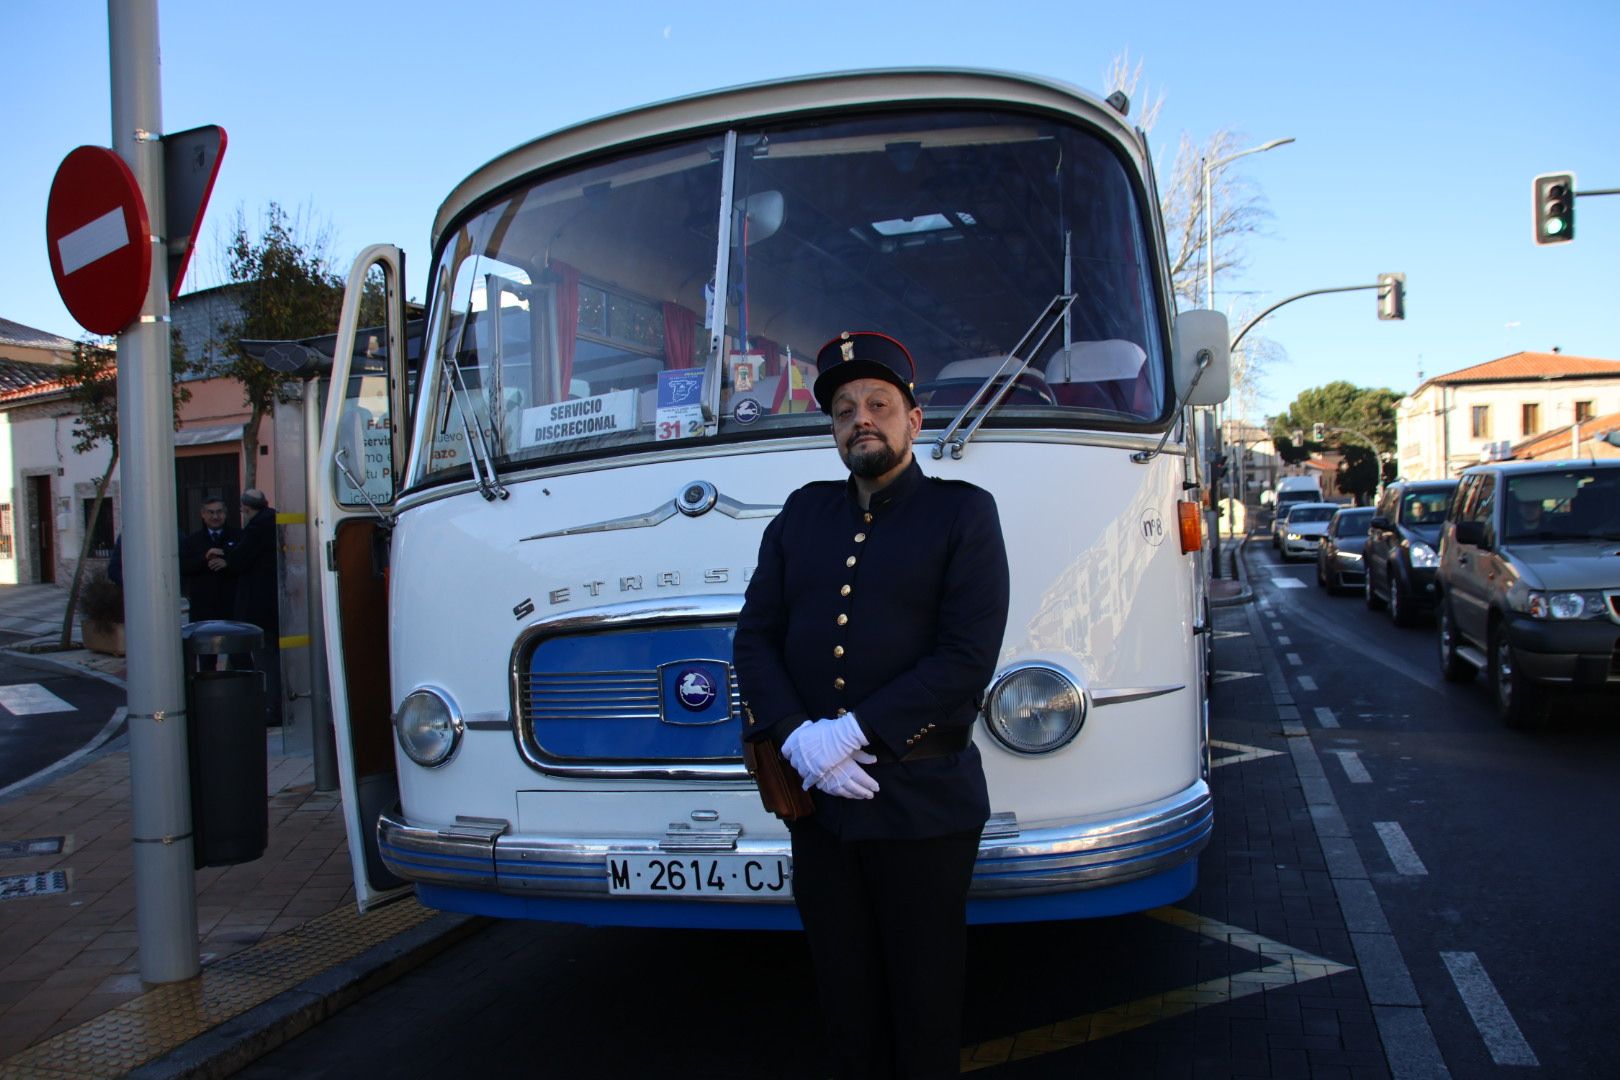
1419	128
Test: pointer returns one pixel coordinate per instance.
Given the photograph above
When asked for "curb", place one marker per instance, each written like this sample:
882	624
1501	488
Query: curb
238	1042
1240	571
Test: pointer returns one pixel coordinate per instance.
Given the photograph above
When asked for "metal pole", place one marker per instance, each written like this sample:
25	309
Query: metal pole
160	785
320	692
1209	244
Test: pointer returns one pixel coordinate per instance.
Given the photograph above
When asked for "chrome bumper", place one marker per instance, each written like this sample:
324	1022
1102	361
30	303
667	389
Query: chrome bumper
1013	861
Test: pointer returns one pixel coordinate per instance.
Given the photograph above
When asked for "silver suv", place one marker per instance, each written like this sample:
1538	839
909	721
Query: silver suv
1530	581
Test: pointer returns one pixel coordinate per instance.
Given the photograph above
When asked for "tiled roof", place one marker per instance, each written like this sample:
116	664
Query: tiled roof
15	333
1527	366
1592	428
21	379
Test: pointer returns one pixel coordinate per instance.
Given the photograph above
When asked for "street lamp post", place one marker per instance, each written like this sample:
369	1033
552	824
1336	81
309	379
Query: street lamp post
1209	298
1209	220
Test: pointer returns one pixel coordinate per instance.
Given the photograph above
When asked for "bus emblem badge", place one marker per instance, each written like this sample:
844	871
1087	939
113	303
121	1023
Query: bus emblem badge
694	689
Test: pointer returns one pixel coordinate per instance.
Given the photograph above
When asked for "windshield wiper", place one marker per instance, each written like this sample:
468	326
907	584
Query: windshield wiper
1053	317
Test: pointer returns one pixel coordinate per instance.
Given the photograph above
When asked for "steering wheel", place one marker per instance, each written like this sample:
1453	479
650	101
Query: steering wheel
1029	389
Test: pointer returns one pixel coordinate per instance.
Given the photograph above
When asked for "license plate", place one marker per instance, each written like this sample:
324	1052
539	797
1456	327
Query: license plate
713	876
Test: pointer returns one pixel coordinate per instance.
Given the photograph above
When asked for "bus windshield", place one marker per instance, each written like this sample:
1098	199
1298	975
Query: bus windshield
595	309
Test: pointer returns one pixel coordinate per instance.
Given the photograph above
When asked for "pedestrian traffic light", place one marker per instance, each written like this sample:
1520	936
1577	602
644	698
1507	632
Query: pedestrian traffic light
1555	208
1318	432
1392	296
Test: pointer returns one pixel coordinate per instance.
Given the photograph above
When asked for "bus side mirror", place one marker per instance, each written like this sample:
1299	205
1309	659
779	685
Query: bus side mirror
1202	344
1378	523
1471	533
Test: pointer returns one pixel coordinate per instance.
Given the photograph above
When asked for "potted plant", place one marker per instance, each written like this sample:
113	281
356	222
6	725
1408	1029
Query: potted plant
102	605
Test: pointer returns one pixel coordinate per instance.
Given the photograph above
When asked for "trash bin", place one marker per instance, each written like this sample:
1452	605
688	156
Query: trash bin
230	810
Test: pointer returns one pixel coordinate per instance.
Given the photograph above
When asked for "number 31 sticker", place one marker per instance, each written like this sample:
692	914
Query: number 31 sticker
678	423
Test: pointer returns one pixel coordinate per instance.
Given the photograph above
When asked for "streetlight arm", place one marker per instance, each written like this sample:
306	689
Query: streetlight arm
1297	296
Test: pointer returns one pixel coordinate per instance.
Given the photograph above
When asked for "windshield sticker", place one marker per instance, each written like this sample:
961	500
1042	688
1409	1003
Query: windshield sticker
604	414
746	411
680	404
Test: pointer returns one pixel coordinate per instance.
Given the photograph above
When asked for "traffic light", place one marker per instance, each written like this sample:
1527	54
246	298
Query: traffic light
1555	208
1392	296
1318	432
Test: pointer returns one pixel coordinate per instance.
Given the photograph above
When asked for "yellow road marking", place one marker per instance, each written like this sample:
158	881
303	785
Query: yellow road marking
1284	966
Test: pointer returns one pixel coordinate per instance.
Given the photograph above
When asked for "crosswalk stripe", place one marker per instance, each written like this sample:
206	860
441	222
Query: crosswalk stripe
30	699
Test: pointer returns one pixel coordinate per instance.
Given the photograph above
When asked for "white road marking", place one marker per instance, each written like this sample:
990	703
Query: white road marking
1294	660
1287	583
1353	768
1240	752
1276	626
1228	676
93	240
1502	1036
28	699
1284	639
1307	683
1223	634
1400	849
1325	717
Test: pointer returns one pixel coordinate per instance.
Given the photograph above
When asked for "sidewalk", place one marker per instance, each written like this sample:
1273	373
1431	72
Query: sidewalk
279	938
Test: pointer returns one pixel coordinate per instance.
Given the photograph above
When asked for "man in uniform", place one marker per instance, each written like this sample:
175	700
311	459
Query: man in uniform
212	591
870	631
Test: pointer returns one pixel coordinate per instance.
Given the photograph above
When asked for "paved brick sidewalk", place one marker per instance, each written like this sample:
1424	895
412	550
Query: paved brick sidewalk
71	999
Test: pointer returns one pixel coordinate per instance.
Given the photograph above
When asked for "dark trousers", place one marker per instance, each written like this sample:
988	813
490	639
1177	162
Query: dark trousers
887	928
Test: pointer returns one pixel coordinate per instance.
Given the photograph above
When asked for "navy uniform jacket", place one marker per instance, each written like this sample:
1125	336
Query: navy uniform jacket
253	563
212	593
895	614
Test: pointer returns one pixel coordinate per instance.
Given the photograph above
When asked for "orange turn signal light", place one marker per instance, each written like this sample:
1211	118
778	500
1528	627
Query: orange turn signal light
1192	526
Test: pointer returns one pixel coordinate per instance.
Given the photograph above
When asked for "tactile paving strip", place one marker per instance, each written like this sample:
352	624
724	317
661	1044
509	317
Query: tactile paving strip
168	1016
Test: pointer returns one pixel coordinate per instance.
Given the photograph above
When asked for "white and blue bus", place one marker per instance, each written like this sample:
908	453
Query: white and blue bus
538	534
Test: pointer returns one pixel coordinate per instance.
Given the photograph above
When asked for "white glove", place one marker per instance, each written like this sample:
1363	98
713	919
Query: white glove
817	746
848	780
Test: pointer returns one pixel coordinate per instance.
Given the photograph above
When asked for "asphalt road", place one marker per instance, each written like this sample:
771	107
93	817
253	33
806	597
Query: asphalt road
47	714
1509	876
1487	851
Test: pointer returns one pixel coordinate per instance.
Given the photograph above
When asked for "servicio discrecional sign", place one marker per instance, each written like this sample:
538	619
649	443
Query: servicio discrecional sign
99	238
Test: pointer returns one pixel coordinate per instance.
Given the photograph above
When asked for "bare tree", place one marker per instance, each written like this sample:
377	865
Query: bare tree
1239	212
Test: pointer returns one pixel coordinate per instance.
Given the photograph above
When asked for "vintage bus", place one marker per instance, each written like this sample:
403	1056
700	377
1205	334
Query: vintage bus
537	534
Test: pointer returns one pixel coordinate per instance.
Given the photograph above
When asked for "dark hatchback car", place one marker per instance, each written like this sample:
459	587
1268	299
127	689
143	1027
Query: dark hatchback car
1403	541
1339	559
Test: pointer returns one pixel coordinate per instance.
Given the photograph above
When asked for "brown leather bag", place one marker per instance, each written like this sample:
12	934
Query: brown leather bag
779	786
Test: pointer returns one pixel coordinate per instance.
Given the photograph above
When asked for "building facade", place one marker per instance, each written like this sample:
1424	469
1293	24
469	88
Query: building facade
47	490
1481	413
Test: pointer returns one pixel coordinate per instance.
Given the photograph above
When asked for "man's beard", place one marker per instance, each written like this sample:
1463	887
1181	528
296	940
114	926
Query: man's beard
871	461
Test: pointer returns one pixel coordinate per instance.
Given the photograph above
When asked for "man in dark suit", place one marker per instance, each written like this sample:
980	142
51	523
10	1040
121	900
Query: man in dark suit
253	563
212	592
870	630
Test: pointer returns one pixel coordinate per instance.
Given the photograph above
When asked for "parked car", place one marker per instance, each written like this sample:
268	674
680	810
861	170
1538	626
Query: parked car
1530	581
1304	528
1403	540
1339	557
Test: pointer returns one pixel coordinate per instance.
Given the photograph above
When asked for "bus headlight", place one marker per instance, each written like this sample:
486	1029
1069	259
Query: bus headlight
1035	709
428	727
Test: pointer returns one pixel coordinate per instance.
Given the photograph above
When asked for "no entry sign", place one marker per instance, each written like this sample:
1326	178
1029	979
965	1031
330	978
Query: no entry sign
98	234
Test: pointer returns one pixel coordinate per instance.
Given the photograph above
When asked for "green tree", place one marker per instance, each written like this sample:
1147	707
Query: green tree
287	290
91	380
1359	422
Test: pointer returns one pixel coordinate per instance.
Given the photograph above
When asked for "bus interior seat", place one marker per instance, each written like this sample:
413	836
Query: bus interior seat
1107	375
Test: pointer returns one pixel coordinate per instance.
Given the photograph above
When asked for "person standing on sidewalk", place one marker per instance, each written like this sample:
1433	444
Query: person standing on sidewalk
868	635
252	562
212	592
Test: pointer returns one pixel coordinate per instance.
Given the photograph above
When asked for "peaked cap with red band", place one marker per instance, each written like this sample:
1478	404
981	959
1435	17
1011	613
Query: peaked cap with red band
862	354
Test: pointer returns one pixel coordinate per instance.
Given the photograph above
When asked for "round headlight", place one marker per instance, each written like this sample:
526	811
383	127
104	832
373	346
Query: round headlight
428	727
1035	710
